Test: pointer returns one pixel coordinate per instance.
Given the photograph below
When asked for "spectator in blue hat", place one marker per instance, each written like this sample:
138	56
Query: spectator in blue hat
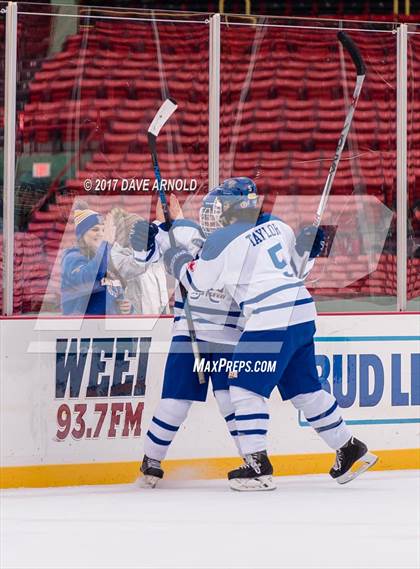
87	284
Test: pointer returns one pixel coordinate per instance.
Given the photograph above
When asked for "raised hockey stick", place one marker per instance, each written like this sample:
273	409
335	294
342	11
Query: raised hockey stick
354	53
166	110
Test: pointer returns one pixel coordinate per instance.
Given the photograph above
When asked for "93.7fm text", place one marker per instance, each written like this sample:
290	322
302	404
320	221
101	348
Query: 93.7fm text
104	420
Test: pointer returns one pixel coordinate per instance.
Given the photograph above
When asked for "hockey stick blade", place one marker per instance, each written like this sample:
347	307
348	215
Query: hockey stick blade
165	112
354	52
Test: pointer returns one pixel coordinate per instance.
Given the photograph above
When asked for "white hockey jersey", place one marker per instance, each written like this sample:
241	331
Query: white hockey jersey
216	316
257	265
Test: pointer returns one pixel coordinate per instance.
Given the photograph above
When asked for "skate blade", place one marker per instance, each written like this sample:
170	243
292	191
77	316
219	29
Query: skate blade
148	481
367	460
259	484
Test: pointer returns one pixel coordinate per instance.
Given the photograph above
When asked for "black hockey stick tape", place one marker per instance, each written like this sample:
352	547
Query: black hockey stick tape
354	52
151	139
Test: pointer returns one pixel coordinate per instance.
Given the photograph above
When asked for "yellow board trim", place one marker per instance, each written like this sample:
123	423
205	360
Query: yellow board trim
188	469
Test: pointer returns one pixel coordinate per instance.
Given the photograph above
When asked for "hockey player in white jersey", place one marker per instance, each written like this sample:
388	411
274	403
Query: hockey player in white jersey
256	259
218	326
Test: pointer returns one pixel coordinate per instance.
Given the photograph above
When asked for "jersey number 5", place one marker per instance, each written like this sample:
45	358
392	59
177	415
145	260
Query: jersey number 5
279	263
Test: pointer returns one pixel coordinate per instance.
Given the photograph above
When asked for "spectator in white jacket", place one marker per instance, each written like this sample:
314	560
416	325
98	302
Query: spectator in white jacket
145	285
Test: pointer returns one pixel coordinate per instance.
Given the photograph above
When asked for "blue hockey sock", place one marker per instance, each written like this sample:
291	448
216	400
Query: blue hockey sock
168	417
251	417
228	413
322	412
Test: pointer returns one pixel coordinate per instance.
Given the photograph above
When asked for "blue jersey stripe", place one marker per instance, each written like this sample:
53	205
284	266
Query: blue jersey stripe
214	319
230	417
217	241
268	293
252	416
231	313
164	425
193	308
252	432
325	414
203	321
329	427
283	305
157	440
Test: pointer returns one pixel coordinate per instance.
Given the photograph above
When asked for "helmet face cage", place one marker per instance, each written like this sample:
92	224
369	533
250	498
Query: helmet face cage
231	198
210	217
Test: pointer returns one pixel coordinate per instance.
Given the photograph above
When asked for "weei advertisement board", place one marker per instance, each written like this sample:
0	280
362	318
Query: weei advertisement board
77	397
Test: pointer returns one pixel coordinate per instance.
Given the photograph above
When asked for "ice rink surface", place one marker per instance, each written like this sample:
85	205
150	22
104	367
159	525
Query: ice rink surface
308	522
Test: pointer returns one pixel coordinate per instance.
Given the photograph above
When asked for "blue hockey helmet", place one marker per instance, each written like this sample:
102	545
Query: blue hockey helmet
236	196
230	199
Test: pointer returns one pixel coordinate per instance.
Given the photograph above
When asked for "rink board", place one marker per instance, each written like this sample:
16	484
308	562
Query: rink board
77	396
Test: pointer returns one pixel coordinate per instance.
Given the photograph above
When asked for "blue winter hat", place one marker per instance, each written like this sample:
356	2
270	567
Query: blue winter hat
85	219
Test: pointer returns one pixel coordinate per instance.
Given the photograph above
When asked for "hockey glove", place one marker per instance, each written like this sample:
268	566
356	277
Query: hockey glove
183	233
310	239
175	258
142	235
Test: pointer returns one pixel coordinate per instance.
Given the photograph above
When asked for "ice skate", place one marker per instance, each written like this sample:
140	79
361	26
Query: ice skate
254	475
152	472
350	453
